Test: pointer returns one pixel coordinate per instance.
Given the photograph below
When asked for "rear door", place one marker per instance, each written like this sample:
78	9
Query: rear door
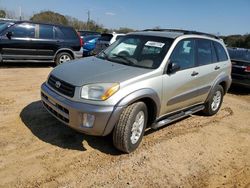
45	42
19	46
209	64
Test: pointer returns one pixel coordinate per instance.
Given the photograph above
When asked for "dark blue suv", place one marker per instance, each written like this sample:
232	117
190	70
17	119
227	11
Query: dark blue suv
23	41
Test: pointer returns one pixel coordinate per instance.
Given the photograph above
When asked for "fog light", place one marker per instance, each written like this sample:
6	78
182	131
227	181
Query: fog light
88	120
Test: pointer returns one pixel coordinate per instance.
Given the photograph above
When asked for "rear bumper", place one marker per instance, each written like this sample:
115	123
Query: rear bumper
243	80
71	113
78	54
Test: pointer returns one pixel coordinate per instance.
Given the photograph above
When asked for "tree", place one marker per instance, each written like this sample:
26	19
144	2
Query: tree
49	17
77	24
2	14
124	30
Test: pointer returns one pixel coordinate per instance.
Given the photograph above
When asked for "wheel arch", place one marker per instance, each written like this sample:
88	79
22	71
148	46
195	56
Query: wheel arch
68	50
148	96
224	81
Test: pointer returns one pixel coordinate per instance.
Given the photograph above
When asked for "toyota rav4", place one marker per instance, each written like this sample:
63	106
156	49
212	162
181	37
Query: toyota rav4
144	80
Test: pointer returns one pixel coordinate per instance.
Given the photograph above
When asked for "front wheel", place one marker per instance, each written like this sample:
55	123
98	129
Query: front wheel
214	102
130	128
62	57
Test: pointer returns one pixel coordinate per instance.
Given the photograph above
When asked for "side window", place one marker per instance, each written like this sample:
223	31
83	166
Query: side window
58	33
46	32
23	30
183	54
204	52
69	33
220	52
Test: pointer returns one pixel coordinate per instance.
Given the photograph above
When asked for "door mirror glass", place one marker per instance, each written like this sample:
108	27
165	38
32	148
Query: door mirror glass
9	34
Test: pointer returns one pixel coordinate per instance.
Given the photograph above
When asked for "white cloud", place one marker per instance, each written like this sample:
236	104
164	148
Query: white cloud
110	13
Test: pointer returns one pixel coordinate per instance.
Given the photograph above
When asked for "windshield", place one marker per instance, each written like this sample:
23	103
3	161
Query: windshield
138	51
4	26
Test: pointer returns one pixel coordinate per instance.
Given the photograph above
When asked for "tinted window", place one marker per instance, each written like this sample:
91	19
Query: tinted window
183	54
220	52
204	52
68	33
118	37
106	37
46	32
23	30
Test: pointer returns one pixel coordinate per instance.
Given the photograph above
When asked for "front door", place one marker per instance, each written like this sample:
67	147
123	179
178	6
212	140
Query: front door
182	88
19	45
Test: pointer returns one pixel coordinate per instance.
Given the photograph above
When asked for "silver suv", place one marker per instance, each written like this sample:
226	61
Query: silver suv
144	80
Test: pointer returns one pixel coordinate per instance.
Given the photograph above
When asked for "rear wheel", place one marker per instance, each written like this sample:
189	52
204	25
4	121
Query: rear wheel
214	103
63	57
129	130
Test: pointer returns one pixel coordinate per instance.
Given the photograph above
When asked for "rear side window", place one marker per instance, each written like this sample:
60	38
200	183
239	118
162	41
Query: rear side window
222	55
106	37
23	30
68	33
183	54
46	32
204	52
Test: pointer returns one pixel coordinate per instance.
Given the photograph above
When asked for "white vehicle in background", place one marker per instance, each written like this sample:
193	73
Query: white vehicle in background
106	40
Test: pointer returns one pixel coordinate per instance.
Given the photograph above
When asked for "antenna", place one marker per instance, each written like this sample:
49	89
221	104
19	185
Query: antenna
20	13
88	19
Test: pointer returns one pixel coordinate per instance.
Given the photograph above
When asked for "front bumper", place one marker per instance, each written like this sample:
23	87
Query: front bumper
71	112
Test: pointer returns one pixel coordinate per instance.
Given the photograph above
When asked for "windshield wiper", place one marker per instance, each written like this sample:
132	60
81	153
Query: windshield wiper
125	58
105	56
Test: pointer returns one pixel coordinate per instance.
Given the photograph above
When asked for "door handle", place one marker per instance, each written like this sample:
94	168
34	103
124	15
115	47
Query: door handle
216	68
194	73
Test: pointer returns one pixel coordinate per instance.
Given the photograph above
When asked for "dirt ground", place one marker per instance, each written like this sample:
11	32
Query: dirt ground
38	151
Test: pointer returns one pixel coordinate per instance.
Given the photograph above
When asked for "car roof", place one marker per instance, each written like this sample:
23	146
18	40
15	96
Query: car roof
172	33
158	34
31	22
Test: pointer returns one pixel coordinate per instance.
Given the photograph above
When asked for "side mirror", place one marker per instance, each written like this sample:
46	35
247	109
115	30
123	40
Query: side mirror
173	67
9	34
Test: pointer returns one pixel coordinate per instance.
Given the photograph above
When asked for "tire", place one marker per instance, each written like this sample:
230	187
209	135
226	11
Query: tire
214	102
124	138
63	55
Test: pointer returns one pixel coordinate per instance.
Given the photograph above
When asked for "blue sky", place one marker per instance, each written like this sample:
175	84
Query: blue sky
212	16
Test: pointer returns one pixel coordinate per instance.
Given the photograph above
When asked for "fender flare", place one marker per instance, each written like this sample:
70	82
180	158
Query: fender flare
225	78
127	100
64	49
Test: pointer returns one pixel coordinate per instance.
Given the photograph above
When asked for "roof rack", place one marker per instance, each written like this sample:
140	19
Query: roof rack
185	32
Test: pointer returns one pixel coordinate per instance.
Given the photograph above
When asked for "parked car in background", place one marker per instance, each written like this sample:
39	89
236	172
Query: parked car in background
25	41
166	76
87	33
105	40
89	44
240	59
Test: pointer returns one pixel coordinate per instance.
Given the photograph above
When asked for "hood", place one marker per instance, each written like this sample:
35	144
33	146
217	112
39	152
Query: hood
94	70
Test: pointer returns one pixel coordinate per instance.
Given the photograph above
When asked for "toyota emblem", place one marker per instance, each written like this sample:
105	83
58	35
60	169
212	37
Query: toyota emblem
58	84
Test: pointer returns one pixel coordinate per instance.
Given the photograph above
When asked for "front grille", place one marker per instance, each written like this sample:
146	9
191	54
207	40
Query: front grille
64	87
66	120
57	105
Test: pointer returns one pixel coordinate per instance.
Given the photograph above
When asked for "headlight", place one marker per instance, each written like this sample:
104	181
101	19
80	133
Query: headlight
100	91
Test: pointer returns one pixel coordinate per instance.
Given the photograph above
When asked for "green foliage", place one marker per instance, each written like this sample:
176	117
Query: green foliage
239	41
2	14
49	17
124	30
